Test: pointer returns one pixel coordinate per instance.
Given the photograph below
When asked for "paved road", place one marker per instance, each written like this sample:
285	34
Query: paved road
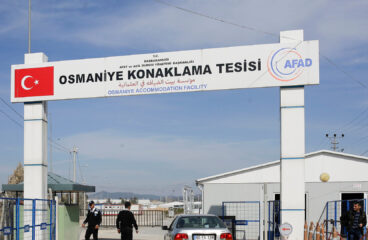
145	233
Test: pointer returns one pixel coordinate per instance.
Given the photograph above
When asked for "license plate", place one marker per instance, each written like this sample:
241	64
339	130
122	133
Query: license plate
204	237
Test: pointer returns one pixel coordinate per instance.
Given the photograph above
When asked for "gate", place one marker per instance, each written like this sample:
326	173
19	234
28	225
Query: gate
27	219
144	218
273	220
247	218
334	211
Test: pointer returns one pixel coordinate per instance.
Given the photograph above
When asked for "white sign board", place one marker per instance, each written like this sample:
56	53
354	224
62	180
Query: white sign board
285	229
271	65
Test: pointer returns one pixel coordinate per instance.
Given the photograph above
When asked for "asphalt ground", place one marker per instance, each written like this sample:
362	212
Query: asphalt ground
145	233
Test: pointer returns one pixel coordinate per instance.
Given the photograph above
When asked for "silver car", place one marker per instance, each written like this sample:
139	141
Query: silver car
197	227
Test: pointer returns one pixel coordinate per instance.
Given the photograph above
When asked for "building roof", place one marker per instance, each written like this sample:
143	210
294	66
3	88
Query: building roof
269	164
56	183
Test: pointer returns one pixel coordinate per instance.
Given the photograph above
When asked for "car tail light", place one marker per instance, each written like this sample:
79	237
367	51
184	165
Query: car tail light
181	236
226	236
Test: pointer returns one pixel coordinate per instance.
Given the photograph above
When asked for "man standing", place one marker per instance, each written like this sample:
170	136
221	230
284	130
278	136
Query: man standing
125	223
354	221
93	219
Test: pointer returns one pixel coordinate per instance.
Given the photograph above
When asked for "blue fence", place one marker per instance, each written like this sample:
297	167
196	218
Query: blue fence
273	220
27	219
246	218
335	211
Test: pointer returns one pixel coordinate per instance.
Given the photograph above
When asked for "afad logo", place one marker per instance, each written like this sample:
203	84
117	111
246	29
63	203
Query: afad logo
286	64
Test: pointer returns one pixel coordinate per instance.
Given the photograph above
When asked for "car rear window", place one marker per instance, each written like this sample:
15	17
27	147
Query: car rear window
200	222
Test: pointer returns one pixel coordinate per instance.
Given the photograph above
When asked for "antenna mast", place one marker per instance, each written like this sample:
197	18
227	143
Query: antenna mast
29	26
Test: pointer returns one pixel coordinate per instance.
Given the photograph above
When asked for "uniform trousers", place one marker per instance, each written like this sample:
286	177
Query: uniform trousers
91	231
127	234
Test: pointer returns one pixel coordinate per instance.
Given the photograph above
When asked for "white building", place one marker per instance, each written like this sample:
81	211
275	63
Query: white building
348	179
172	205
144	202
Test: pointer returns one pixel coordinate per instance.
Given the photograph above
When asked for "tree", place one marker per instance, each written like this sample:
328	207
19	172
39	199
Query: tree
17	176
134	200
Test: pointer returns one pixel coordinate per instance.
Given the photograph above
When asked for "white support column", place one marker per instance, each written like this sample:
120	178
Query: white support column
35	142
35	155
292	150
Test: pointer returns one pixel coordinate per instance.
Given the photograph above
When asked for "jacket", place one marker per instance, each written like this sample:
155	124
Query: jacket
126	220
94	217
348	219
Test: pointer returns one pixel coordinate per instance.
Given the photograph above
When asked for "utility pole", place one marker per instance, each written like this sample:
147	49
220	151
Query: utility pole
29	26
333	138
188	199
75	151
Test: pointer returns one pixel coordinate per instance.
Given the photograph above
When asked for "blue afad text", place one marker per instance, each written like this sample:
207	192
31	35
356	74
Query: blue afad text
297	63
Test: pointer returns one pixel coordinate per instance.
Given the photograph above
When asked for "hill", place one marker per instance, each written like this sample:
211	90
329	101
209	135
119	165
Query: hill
125	195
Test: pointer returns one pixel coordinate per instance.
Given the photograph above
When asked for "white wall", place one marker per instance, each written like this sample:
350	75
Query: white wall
340	169
215	194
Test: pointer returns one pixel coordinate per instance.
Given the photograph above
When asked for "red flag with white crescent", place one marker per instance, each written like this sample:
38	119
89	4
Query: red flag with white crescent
34	82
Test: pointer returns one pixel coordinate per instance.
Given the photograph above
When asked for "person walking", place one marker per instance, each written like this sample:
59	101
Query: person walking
125	223
354	221
93	219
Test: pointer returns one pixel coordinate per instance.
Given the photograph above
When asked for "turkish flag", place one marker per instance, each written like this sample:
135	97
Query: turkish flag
34	82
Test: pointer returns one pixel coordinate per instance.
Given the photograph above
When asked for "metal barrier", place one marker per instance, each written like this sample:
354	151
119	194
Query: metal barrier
334	211
247	218
144	218
27	219
273	220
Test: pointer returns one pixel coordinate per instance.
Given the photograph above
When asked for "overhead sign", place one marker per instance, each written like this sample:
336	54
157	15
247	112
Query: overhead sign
271	65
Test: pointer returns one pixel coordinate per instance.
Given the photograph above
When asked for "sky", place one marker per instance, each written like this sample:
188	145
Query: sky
159	143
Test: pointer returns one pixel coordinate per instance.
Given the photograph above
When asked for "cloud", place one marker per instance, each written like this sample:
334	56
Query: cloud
145	25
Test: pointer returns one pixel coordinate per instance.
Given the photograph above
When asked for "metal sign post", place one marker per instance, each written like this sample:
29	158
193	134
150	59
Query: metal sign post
35	149
292	150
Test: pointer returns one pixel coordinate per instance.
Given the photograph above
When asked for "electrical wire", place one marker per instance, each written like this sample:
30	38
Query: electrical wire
322	143
59	145
70	163
336	66
259	31
80	169
11	119
343	71
13	109
59	148
222	20
355	118
63	148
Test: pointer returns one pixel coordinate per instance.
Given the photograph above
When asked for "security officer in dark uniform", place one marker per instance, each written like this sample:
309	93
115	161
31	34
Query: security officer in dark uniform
93	219
125	223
